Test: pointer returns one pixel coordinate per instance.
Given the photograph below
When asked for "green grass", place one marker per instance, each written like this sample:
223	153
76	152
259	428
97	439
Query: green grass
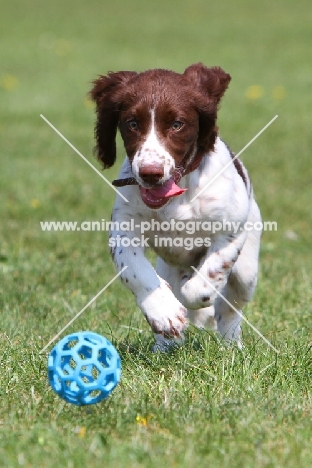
200	405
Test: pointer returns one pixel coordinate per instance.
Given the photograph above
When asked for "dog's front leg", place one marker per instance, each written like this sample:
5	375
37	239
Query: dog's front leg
200	290
165	314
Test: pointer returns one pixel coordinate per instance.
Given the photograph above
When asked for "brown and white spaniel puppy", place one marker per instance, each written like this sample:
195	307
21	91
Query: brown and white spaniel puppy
167	122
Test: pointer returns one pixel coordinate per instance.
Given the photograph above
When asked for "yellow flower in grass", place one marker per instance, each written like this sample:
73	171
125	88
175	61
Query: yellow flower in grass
254	92
35	203
82	432
9	82
141	420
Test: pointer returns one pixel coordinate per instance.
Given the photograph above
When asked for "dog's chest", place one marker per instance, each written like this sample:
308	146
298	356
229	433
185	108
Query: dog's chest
179	253
178	243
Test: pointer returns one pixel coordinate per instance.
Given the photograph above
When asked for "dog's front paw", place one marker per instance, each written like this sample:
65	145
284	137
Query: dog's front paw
198	293
165	314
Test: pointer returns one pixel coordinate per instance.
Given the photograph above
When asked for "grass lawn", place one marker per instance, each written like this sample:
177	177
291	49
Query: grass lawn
200	405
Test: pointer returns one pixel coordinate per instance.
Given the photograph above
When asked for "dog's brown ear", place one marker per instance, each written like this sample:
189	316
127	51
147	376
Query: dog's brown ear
208	86
108	92
211	81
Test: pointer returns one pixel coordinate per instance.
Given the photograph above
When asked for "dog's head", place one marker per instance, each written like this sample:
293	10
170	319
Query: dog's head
167	121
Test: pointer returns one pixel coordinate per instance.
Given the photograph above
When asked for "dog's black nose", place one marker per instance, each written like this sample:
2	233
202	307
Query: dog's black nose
151	173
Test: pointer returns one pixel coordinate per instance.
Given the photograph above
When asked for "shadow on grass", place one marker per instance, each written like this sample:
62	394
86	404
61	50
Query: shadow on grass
198	342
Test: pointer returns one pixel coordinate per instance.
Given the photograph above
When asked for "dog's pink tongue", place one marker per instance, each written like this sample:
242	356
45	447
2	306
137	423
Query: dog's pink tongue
169	189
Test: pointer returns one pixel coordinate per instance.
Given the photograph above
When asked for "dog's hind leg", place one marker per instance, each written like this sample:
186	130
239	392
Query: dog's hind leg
240	286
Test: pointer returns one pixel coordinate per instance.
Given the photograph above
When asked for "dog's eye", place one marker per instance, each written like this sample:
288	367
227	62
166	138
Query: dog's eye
177	125
133	124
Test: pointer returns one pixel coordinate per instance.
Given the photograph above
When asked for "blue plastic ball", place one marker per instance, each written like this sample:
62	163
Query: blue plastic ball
84	368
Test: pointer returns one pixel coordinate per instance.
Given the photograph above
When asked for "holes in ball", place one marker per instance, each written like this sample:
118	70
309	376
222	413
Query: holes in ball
94	393
93	339
72	388
84	352
71	344
68	365
89	373
72	363
104	357
95	372
111	382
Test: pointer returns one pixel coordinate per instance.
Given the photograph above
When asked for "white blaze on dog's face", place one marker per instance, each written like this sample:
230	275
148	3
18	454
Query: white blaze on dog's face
152	163
153	167
166	119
